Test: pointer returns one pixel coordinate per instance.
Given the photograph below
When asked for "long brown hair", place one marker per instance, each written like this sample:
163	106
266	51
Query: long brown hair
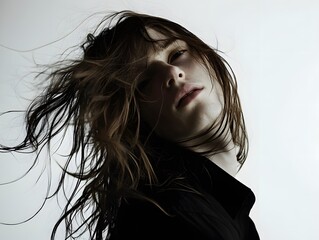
96	97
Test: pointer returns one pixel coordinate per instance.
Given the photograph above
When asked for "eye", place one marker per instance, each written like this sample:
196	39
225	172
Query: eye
176	55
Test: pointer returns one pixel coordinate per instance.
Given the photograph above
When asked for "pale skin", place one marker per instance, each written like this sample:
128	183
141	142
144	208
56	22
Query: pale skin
182	100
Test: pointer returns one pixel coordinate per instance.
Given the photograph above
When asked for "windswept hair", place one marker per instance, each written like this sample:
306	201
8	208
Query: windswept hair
96	96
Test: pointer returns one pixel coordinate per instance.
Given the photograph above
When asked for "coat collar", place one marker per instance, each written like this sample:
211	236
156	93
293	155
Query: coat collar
170	160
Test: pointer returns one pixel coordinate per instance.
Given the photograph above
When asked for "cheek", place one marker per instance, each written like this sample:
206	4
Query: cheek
150	111
219	96
158	118
152	105
153	92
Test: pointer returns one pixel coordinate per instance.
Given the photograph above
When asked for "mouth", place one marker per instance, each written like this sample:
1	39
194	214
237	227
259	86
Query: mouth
185	97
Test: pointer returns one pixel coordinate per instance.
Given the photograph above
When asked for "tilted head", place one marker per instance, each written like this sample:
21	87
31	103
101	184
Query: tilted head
152	73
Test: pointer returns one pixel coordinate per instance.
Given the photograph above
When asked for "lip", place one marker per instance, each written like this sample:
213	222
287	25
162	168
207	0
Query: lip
186	95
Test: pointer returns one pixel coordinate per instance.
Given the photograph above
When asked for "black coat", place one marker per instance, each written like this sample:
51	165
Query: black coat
199	199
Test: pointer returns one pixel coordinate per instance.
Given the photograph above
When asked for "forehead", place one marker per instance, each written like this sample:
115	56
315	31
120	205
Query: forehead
155	35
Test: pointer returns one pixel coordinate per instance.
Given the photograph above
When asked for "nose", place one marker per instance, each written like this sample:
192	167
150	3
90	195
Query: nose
174	75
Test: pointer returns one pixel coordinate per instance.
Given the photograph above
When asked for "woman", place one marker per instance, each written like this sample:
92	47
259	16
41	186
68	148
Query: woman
158	132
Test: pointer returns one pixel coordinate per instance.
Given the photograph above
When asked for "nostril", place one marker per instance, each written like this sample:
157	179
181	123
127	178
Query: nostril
170	82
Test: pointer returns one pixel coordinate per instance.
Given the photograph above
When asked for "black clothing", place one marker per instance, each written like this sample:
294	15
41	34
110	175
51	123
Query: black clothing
201	200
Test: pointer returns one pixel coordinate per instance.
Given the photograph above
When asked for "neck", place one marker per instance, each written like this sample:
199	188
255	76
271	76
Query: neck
225	159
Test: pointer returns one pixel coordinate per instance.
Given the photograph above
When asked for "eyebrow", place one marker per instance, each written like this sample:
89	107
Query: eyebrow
161	45
164	44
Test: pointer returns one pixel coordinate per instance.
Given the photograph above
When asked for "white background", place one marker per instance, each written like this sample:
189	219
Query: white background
273	47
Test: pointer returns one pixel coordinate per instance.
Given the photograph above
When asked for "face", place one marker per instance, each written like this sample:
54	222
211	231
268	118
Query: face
180	98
